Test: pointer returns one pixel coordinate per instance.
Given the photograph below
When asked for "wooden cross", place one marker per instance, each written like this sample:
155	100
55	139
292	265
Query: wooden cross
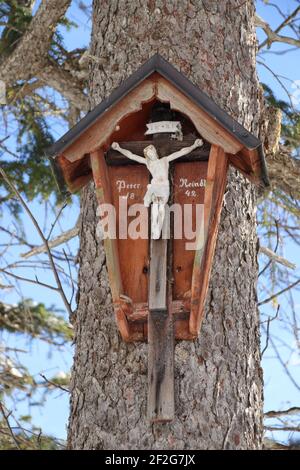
160	322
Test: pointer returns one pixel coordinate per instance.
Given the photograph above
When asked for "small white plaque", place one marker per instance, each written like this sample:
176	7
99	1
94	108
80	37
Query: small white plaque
172	127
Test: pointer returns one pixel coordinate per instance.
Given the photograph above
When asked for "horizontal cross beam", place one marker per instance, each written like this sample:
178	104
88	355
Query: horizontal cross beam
163	147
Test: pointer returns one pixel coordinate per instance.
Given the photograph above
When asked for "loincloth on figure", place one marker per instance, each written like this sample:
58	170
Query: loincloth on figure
157	193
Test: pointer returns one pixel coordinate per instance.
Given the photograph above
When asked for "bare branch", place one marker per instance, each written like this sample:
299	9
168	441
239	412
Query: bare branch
32	49
276	247
268	331
56	219
65	83
283	428
294	284
273	36
43	238
295	410
9	152
31	57
54	384
278	78
31	281
278	259
71	277
284	365
63	238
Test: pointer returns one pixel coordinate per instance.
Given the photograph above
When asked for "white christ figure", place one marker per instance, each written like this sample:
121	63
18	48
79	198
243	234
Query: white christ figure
158	191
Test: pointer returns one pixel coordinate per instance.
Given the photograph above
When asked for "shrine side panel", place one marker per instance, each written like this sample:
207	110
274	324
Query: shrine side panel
129	183
189	189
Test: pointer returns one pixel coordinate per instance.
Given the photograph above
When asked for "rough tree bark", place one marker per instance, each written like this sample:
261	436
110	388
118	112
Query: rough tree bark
218	377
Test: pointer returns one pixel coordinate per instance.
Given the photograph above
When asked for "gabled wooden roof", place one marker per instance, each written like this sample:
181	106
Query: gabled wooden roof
172	81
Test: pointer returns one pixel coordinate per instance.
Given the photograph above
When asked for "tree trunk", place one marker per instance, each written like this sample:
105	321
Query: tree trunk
218	378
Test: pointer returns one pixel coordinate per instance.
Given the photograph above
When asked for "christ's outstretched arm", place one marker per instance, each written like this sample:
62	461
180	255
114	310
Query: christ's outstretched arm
184	151
128	154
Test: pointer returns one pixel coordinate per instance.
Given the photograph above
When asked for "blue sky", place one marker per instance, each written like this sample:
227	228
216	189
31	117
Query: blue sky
52	418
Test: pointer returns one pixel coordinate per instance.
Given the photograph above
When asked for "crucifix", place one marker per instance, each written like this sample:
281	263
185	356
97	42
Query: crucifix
165	147
158	191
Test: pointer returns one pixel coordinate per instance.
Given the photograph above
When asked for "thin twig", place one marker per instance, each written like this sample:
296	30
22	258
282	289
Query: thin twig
276	258
268	331
17	237
6	419
276	76
279	293
56	219
70	275
282	428
295	410
12	154
275	249
62	238
32	281
284	365
54	384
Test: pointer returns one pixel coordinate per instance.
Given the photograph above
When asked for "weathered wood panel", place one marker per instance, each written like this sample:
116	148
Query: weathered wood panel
141	311
160	337
160	366
158	275
213	200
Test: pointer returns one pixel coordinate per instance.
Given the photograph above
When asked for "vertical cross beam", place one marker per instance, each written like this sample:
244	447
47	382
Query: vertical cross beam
160	339
160	322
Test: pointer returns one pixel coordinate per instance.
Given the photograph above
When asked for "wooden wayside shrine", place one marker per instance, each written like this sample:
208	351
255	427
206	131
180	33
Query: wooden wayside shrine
159	285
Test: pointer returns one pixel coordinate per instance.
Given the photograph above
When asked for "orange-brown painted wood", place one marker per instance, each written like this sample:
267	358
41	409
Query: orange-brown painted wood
128	186
76	174
189	188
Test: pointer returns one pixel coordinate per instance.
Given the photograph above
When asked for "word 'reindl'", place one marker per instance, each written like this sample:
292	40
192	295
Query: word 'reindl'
185	183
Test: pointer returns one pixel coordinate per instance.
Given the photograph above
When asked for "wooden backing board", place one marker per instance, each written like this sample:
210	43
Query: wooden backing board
189	188
129	184
213	201
190	277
